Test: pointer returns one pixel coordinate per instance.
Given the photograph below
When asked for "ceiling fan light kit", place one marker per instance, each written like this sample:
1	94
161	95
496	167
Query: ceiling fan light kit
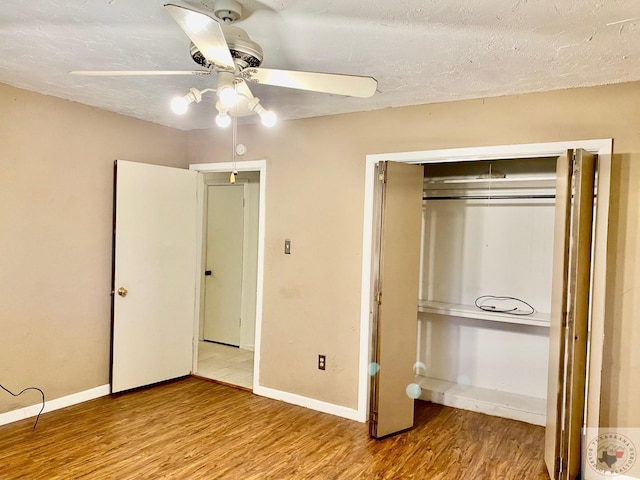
228	52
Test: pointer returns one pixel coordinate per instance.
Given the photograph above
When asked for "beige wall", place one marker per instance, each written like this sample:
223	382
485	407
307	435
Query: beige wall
56	182
55	207
314	196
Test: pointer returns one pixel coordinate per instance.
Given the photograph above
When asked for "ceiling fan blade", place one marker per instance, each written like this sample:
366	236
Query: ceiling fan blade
351	85
205	33
243	89
113	73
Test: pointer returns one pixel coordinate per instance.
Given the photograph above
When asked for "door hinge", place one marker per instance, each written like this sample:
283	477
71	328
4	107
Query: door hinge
572	164
559	467
382	176
373	417
379	298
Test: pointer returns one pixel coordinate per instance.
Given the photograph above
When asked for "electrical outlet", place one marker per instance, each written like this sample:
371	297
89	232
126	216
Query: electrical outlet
322	362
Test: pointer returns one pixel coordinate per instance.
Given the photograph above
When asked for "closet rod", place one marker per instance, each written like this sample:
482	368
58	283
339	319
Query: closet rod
489	197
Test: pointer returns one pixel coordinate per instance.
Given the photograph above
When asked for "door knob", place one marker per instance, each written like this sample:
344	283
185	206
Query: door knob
122	292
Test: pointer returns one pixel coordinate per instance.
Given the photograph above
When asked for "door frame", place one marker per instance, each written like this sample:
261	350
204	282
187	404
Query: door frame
244	166
602	147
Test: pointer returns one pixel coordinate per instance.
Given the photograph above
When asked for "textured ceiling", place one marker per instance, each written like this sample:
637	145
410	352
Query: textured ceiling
420	51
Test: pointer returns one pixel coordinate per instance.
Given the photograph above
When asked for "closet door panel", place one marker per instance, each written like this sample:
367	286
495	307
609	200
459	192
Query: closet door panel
569	313
558	303
578	312
395	318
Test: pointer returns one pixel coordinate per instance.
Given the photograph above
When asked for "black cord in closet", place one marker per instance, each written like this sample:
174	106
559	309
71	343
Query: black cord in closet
479	302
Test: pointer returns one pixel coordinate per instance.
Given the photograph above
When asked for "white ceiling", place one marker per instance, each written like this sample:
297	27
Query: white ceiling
420	51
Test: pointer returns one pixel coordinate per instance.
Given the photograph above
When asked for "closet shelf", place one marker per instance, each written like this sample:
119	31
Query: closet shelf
471	311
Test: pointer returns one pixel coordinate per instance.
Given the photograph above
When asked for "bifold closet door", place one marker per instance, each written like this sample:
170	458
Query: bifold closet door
395	310
154	274
569	313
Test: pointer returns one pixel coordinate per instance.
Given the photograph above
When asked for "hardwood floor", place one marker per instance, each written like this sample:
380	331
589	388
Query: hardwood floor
197	429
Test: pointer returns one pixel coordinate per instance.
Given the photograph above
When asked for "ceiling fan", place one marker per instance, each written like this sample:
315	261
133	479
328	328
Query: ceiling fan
227	51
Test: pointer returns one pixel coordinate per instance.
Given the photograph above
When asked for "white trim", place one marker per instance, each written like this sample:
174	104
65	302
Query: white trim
365	294
55	404
498	152
200	193
595	351
245	254
602	147
248	166
307	402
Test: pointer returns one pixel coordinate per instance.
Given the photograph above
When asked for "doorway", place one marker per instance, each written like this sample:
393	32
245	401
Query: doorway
156	328
226	329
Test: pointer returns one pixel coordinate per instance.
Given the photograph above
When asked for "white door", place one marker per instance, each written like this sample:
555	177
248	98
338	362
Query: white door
154	274
223	280
395	318
570	303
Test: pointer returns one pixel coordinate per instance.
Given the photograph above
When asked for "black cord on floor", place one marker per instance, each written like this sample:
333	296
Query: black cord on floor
21	392
510	311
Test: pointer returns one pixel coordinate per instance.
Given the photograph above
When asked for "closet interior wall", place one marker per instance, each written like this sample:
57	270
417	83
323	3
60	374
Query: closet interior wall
487	229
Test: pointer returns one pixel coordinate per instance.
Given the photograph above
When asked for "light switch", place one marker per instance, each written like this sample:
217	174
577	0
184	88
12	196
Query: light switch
287	247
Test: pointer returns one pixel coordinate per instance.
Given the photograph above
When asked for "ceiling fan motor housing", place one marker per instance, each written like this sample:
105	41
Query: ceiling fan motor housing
227	10
244	51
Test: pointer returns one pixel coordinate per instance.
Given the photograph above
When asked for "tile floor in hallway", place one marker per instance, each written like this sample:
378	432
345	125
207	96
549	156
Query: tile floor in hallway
224	363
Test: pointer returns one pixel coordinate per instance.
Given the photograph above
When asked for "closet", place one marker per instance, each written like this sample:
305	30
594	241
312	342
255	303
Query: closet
485	286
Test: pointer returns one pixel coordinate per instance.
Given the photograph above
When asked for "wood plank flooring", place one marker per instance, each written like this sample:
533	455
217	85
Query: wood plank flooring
197	429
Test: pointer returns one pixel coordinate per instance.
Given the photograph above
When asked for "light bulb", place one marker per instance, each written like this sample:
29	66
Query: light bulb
268	118
179	105
223	120
228	96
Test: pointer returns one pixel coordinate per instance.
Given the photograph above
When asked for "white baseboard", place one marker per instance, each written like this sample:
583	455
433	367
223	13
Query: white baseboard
313	404
55	404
